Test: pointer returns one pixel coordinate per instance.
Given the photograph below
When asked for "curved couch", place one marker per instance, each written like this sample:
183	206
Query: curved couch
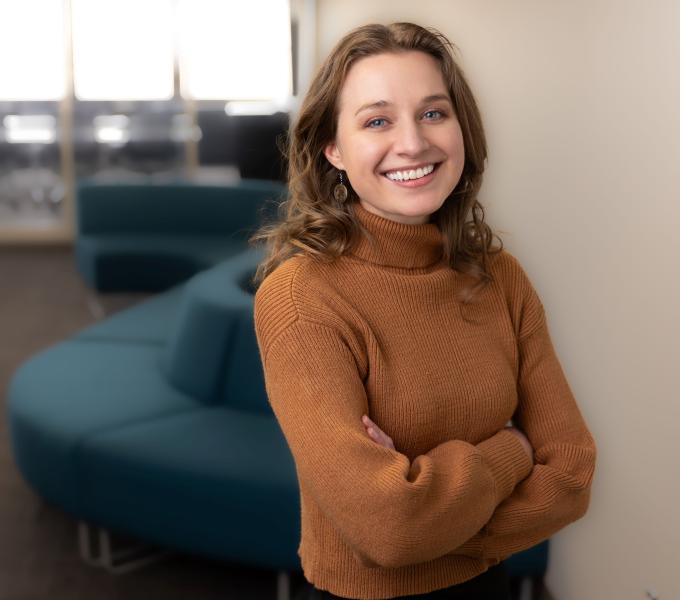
151	236
155	423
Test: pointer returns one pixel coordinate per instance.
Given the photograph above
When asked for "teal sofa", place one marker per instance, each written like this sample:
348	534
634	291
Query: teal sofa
155	423
151	236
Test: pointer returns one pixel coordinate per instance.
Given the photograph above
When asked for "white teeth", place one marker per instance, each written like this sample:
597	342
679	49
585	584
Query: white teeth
410	174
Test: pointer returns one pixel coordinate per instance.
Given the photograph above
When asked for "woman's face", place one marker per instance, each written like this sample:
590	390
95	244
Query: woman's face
395	125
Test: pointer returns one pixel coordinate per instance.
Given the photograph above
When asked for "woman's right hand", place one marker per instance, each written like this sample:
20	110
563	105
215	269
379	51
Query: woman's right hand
525	441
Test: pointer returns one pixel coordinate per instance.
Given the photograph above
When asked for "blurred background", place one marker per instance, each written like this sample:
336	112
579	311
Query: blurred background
151	90
580	104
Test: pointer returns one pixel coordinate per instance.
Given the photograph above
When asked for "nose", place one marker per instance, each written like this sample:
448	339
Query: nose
410	139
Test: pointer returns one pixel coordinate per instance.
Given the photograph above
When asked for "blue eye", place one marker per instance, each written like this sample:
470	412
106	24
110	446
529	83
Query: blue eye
436	112
371	125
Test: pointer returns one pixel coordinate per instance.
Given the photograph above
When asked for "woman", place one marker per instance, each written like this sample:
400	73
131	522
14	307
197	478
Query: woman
397	341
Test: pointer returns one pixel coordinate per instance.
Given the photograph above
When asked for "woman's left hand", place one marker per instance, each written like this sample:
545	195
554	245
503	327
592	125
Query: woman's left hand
377	434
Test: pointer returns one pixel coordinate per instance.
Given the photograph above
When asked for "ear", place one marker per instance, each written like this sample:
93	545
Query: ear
333	156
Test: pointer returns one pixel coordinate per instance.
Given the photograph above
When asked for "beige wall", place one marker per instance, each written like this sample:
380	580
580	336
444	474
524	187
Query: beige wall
580	101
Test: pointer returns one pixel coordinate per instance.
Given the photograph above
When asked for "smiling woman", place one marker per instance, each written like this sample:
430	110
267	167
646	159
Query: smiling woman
397	342
396	93
404	153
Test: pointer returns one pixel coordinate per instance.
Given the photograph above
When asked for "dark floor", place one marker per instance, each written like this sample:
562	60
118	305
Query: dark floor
43	301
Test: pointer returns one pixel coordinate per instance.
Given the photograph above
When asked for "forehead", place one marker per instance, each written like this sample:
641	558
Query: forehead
403	77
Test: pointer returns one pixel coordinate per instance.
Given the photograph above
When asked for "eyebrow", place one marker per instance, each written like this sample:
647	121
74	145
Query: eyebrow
381	103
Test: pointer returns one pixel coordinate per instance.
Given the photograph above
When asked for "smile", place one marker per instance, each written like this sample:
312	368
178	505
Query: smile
410	177
407	174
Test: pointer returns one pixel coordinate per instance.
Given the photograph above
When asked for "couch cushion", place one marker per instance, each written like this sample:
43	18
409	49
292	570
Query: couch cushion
148	262
147	322
175	207
212	351
200	481
76	389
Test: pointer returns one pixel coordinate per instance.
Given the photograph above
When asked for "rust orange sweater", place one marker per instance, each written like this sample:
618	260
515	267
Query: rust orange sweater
378	331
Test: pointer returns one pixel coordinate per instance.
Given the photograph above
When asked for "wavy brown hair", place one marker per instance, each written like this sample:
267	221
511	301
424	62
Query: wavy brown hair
311	221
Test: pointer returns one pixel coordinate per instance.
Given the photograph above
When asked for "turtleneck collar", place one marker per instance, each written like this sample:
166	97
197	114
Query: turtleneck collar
397	244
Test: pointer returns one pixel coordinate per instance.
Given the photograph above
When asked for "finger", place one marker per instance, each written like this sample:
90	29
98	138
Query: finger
375	432
368	423
382	437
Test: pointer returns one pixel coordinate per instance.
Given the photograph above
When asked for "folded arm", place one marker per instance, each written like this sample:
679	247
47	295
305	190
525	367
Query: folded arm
557	492
389	510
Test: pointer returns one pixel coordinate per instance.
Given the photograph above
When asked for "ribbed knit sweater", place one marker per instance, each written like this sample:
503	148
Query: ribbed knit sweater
378	331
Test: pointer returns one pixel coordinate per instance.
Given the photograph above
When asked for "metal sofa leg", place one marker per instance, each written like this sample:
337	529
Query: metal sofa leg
97	549
528	588
283	585
537	588
525	591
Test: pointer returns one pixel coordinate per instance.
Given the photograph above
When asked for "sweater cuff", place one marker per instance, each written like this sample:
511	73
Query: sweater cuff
508	461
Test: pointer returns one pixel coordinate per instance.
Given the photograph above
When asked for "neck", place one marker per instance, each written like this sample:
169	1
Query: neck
392	243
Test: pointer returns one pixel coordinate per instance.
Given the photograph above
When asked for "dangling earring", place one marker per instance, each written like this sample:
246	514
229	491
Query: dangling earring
340	191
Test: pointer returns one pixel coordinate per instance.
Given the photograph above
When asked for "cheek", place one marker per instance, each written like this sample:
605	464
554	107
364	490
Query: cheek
362	154
366	155
453	141
458	142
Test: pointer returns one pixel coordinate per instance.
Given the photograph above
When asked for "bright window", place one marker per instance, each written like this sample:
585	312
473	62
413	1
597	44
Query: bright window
235	49
32	56
123	50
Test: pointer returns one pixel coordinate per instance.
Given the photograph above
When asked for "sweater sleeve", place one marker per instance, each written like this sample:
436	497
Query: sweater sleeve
557	492
390	511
